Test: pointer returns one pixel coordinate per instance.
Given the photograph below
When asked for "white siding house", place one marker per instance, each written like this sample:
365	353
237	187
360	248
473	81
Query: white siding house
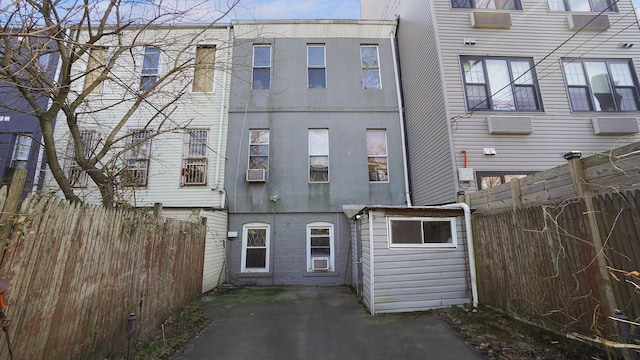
171	149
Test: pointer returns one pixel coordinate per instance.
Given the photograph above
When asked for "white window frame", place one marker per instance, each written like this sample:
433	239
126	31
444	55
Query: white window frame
367	67
138	153
150	72
251	144
318	154
245	231
21	151
323	66
193	159
204	68
254	66
451	245
332	249
370	155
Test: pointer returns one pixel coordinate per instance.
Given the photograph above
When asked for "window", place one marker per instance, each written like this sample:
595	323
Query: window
423	232
318	155
377	155
194	158
601	85
491	179
370	67
261	67
204	68
320	253
150	67
582	5
95	66
259	149
255	248
487	4
21	151
500	84
316	67
137	158
77	177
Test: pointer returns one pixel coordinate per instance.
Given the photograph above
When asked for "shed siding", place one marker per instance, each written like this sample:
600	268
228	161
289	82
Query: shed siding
418	279
366	263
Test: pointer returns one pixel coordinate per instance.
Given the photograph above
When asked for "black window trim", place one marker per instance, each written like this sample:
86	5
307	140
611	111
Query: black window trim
512	84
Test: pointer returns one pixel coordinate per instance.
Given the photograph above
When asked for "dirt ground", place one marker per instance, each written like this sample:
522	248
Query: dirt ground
500	336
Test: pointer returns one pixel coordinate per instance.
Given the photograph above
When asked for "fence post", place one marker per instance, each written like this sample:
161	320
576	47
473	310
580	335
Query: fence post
15	192
585	195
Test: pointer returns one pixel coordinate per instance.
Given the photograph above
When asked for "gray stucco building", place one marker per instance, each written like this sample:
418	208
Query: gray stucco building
314	124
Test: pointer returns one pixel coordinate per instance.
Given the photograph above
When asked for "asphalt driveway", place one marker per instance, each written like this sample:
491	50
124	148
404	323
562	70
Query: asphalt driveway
317	323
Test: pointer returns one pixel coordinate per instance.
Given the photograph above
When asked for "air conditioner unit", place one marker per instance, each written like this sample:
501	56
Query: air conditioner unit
320	263
256	175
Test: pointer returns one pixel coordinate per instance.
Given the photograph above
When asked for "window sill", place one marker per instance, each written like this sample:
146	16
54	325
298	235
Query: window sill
254	275
424	246
329	273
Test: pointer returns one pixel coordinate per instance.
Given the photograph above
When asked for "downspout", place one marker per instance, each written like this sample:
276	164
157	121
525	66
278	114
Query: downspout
222	112
470	249
396	72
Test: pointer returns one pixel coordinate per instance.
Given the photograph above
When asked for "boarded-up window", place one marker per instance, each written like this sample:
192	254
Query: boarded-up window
95	67
204	68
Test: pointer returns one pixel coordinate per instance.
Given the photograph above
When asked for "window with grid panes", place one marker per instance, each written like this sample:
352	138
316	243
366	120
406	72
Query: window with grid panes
320	246
255	248
137	157
487	4
78	177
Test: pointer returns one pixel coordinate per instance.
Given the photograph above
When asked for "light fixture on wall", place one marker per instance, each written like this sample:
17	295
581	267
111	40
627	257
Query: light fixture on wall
274	197
489	151
469	41
626	45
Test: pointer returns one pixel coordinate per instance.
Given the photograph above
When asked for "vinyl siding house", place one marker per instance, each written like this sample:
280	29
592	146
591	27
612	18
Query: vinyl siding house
20	135
172	149
314	125
494	90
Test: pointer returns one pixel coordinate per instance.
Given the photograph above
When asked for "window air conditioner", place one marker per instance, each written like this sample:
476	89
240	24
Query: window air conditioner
256	175
320	263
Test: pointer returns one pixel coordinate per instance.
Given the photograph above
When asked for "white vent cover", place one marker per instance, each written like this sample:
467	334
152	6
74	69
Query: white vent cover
615	126
320	263
256	175
510	125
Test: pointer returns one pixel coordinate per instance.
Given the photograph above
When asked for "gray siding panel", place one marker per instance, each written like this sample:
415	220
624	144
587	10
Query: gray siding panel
366	264
418	279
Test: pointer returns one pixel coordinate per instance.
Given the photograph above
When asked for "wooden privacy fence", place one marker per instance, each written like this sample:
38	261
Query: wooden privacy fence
560	247
78	271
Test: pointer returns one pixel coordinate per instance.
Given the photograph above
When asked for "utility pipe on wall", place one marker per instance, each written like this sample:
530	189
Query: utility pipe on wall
216	183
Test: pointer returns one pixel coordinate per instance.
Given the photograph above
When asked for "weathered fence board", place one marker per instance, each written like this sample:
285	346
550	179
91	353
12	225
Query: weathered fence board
544	258
77	272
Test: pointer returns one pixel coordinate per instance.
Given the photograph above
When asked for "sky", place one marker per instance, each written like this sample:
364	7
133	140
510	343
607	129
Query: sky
297	9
